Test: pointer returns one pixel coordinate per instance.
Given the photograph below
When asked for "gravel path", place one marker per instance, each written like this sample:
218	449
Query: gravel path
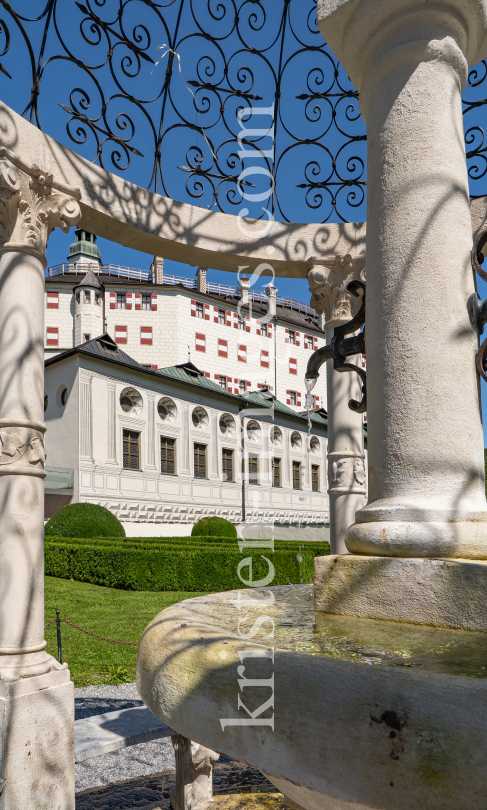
138	760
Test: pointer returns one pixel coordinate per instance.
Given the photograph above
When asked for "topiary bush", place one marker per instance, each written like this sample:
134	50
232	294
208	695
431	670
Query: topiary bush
213	527
84	520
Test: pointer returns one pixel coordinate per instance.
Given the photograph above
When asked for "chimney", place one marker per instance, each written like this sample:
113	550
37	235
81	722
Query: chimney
271	293
322	321
201	279
244	284
157	270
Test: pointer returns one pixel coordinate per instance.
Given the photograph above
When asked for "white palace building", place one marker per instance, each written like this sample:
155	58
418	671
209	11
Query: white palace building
147	380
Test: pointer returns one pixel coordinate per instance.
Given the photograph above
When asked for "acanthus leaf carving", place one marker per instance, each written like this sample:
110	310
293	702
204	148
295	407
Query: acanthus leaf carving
328	286
32	205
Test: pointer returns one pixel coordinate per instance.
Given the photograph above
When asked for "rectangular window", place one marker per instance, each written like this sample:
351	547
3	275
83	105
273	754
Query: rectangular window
242	387
200	461
86	337
222	316
131	450
276	472
222	348
200	342
121	301
146	335
241	322
264	329
87	297
293	398
199	310
227	464
168	455
292	337
296	475
146	302
253	469
308	342
222	382
264	358
98	299
315	478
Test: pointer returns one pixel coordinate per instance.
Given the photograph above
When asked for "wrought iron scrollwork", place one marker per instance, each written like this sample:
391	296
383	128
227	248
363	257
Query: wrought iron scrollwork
342	347
477	309
186	120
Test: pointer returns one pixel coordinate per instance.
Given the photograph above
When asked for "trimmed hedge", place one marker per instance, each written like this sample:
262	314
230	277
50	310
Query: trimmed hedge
84	520
213	527
171	567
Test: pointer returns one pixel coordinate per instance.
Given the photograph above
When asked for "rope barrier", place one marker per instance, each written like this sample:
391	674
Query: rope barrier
88	633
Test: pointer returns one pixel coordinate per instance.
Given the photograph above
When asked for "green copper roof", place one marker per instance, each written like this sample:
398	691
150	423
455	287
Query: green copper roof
85	245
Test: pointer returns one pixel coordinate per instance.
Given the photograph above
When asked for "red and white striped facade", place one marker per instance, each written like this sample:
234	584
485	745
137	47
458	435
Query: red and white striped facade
160	325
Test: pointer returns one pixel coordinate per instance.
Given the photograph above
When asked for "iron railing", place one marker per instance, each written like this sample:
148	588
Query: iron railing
134	274
186	120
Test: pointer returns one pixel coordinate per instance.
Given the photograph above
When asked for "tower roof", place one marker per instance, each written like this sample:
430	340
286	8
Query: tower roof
90	280
84	246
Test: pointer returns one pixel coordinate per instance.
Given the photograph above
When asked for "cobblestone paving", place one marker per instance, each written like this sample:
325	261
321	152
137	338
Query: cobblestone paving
152	792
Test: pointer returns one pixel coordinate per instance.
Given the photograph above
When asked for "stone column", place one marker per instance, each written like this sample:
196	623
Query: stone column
36	695
346	471
201	279
409	60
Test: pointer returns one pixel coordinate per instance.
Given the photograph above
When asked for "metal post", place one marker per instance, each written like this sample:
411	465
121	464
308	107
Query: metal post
59	647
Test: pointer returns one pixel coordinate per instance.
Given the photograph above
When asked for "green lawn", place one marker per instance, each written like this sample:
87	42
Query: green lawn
108	612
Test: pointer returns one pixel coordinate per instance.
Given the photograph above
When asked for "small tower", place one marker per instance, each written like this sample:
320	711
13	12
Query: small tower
88	309
84	252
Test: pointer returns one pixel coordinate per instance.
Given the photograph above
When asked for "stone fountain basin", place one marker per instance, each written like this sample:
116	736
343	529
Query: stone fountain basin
367	713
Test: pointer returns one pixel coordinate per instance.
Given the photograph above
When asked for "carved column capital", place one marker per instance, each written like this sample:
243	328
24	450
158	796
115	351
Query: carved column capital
328	286
32	204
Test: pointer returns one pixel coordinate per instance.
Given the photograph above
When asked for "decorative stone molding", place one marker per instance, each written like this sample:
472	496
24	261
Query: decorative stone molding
32	204
22	447
194	775
346	473
328	287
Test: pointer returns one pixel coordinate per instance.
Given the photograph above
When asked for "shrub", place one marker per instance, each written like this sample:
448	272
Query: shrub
214	527
210	568
84	520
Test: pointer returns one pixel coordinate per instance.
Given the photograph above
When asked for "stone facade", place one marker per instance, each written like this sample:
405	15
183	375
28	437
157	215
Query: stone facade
86	422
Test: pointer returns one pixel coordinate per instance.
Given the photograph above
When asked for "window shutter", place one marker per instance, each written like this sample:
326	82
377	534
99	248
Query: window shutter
259	330
52	300
242	353
299	399
297	339
113	300
317	400
207	373
200	342
269	330
193	308
315	343
288	397
249	386
259	385
229	318
216	376
154	301
138	301
207	312
52	336
264	358
287	335
154	368
235	320
120	334
146	335
293	365
215	314
128	301
247	323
